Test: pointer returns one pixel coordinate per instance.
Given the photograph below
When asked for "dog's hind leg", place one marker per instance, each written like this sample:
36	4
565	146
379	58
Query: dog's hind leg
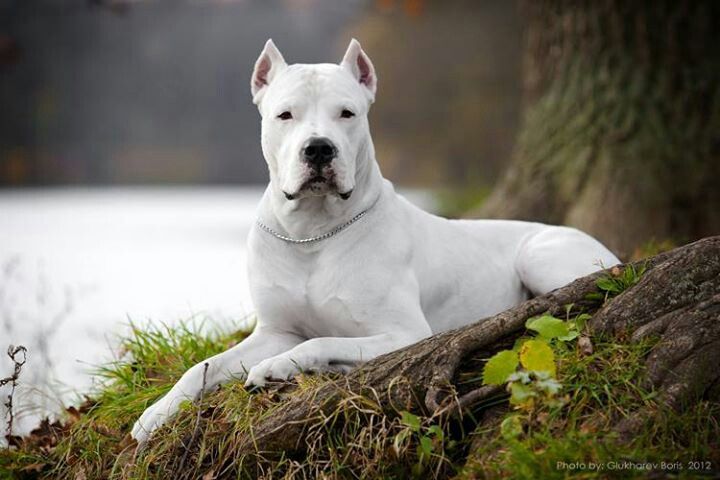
225	366
556	256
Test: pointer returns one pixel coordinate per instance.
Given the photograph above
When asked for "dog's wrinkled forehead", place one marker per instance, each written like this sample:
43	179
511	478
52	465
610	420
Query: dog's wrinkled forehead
313	84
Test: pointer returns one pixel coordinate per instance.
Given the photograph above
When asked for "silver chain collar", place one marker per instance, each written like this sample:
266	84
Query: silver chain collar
324	236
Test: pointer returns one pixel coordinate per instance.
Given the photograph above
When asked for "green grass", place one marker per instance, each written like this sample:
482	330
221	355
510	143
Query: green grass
94	439
359	438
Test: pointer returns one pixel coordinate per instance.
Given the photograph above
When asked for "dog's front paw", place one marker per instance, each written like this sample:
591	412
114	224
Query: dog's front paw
154	416
279	367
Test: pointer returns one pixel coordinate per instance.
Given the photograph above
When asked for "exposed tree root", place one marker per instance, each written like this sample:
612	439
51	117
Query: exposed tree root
678	299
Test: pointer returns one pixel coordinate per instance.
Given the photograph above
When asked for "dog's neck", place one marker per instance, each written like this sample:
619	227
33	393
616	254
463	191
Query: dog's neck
312	216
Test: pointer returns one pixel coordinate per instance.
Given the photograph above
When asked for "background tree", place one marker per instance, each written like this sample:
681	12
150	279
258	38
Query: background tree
621	133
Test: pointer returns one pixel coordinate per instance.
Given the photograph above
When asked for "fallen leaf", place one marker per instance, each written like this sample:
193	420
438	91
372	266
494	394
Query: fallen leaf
542	418
73	413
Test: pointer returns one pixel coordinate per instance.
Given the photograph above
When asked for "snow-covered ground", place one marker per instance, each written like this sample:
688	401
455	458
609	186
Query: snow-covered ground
76	265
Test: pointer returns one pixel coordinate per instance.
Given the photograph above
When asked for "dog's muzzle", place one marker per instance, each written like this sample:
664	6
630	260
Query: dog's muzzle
318	152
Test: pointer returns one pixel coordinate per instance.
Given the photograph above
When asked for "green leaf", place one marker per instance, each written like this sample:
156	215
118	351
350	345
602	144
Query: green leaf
581	321
426	445
410	420
437	431
607	284
511	427
595	296
500	367
572	335
520	394
518	343
548	326
538	356
576	326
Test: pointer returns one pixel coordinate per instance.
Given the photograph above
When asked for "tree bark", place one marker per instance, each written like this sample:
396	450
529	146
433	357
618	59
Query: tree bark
621	133
678	298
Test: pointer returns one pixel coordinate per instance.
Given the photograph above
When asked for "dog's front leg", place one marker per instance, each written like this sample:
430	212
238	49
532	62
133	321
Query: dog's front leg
330	353
233	363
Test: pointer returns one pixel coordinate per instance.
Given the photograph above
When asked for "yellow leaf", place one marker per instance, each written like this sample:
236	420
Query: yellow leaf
536	355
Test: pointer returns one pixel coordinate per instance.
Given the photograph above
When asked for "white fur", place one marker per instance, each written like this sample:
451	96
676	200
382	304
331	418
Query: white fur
396	276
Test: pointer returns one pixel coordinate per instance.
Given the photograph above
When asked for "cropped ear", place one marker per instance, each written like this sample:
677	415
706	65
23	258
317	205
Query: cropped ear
268	65
359	64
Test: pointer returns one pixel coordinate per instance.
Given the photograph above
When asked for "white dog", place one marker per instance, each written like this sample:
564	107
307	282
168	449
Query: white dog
341	268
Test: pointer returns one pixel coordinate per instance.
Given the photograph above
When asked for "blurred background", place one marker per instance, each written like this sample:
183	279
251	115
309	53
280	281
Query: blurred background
156	92
130	161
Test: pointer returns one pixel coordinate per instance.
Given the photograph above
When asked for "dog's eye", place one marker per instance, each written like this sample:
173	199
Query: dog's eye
285	116
347	114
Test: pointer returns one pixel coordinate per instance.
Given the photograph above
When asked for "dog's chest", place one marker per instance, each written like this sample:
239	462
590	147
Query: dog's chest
309	294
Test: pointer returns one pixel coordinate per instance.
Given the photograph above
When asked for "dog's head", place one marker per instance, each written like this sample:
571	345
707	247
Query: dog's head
314	120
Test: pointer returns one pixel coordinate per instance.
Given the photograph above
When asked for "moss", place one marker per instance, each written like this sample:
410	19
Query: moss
618	132
654	247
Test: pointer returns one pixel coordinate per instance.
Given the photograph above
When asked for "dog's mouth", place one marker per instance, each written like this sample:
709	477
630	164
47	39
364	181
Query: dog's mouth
316	179
318	185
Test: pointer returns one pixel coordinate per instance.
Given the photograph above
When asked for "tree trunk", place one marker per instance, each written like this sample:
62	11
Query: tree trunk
677	299
621	134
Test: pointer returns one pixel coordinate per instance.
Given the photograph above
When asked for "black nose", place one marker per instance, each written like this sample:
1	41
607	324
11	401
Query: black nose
319	151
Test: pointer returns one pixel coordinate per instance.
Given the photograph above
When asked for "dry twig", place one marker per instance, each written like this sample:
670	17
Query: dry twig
13	353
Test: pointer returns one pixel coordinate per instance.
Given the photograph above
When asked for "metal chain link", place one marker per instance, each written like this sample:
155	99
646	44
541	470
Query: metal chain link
324	236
